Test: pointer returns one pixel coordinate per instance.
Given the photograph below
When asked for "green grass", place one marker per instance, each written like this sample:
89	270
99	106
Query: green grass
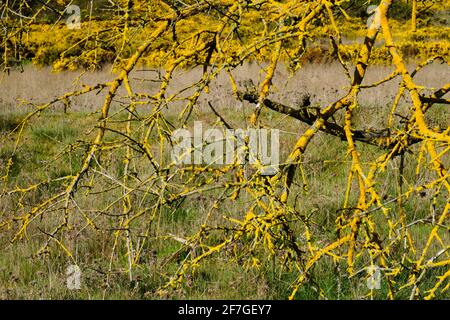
42	155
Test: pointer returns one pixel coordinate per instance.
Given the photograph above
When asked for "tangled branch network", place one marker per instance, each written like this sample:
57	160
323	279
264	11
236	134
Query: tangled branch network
251	217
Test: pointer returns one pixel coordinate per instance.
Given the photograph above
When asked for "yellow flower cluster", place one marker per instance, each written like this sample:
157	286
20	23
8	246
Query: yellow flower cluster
91	46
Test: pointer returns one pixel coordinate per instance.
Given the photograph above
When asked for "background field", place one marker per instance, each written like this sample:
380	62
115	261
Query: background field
360	94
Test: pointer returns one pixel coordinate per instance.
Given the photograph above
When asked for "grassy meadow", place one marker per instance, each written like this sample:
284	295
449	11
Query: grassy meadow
319	192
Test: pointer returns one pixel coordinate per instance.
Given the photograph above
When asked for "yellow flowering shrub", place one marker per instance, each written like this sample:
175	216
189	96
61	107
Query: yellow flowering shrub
251	219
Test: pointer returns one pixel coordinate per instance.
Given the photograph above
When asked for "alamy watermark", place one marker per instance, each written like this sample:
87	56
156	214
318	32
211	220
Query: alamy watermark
259	147
73	280
74	19
374	19
374	279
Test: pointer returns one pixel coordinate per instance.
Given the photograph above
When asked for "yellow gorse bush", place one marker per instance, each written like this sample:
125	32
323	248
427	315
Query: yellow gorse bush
263	218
